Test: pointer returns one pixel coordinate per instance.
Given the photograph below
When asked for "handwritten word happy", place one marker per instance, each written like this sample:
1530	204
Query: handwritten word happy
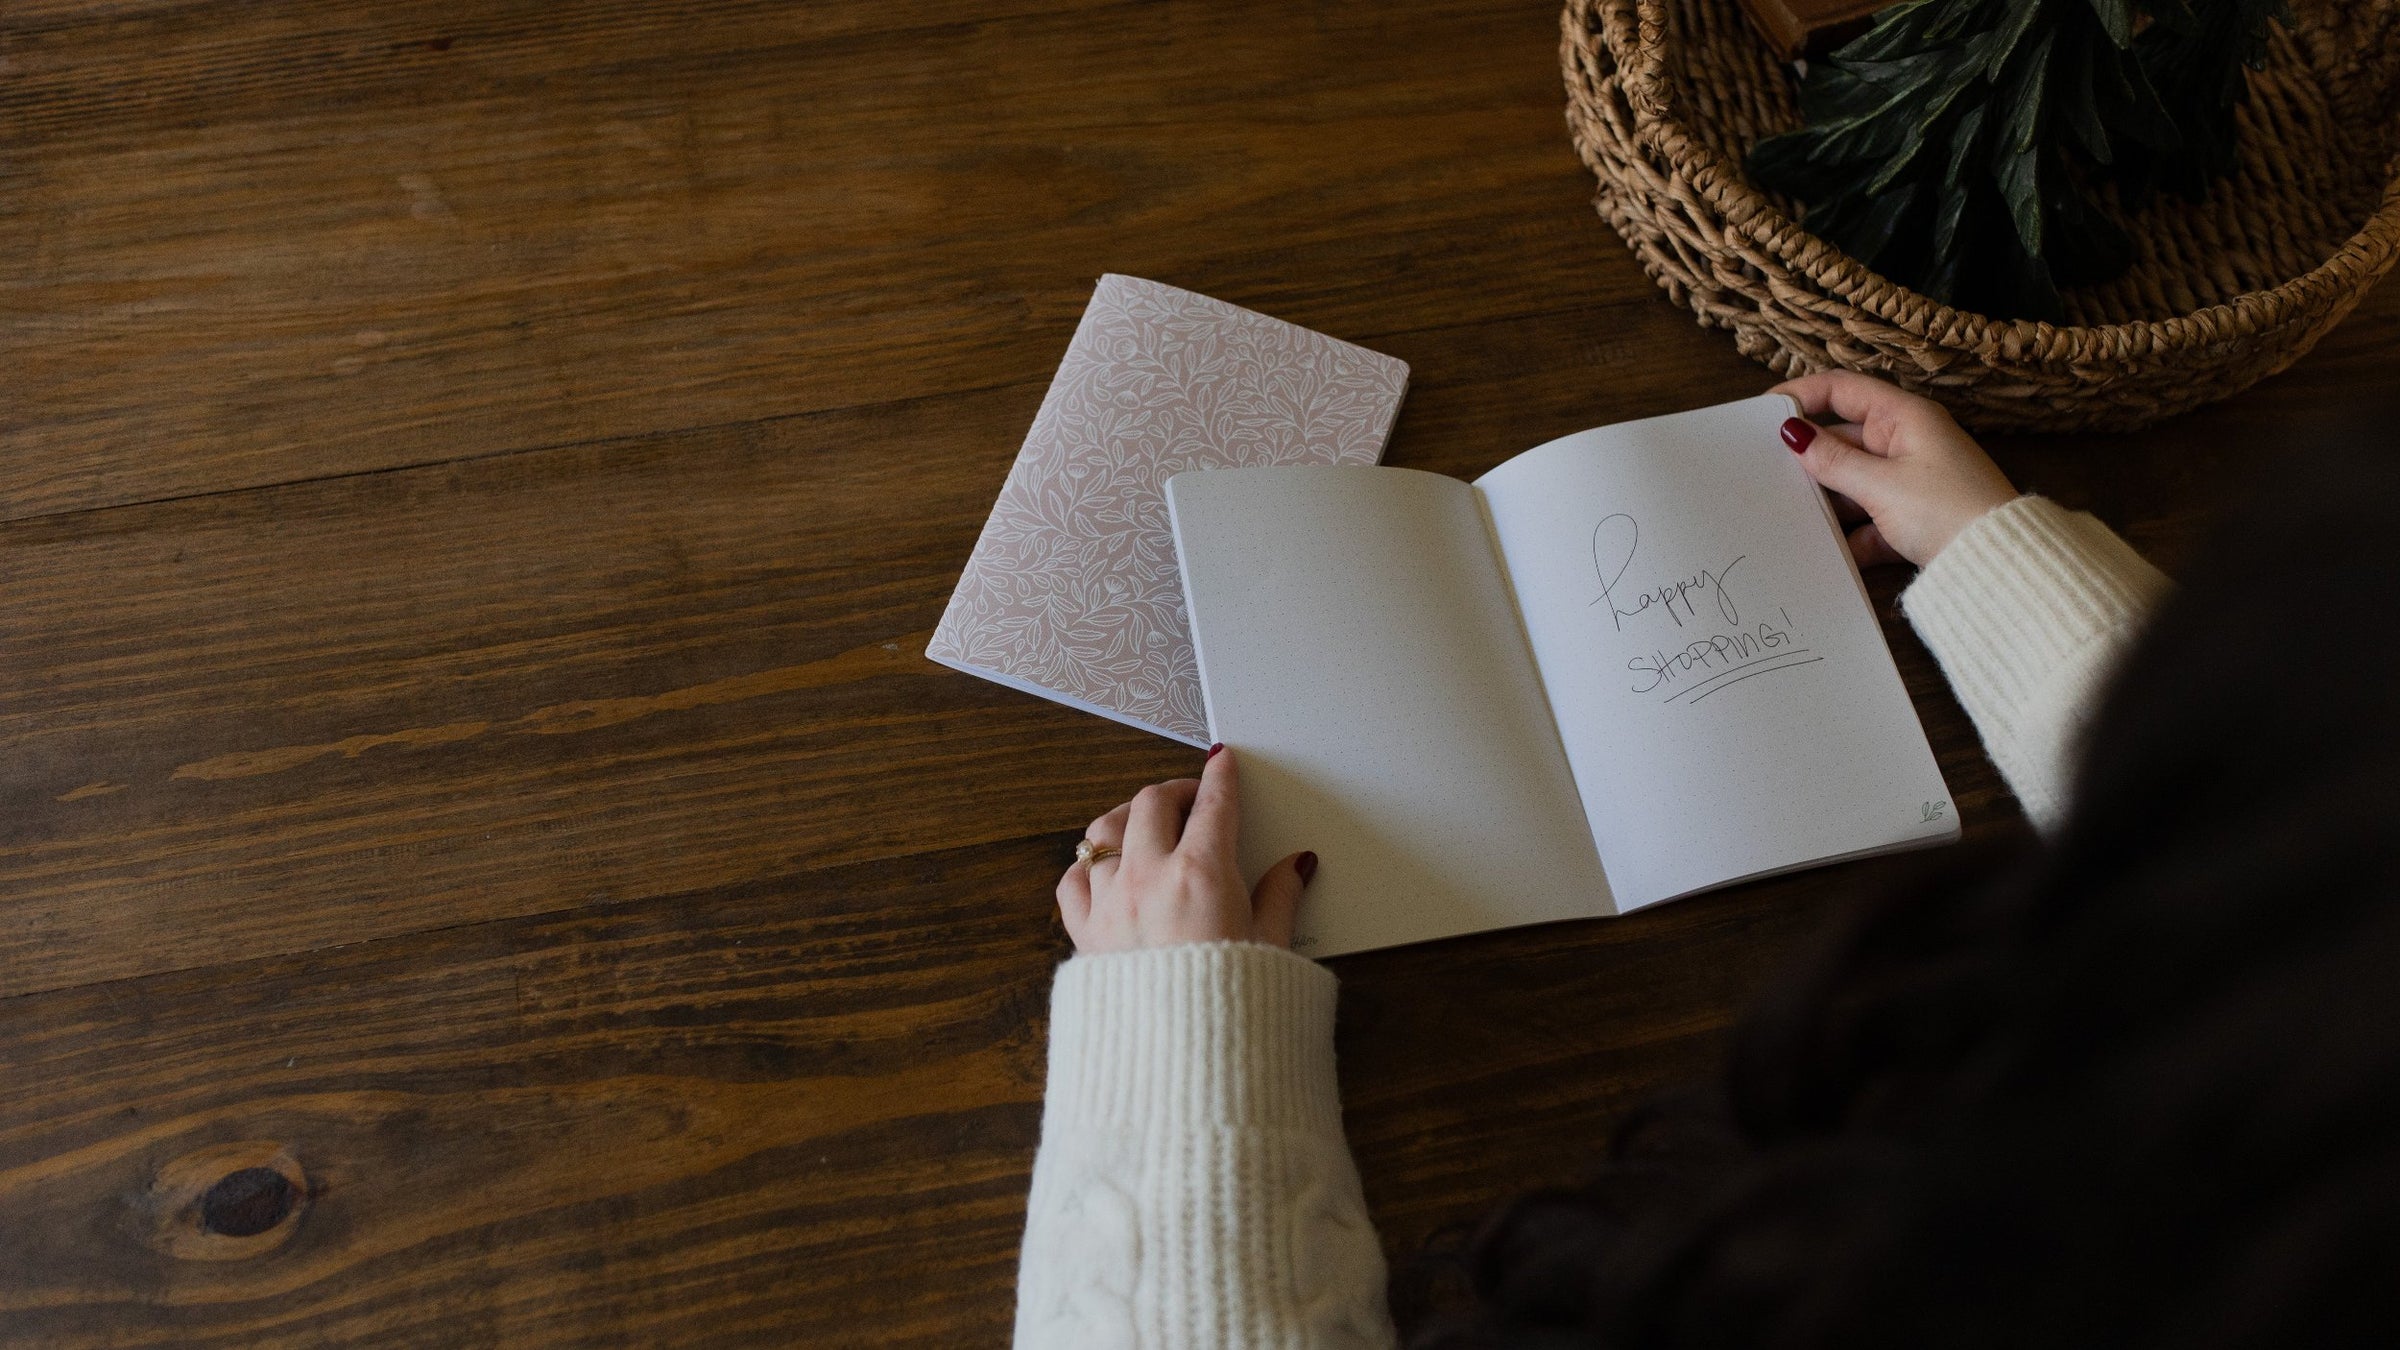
1617	537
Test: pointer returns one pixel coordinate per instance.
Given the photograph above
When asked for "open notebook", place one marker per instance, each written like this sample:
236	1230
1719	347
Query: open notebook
1624	666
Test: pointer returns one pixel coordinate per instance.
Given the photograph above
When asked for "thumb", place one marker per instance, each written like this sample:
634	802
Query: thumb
1275	901
1838	462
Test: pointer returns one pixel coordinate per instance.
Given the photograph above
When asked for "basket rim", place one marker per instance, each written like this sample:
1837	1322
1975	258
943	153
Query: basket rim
1641	64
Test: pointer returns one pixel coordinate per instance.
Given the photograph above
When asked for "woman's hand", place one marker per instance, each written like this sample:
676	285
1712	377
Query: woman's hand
1903	474
1176	880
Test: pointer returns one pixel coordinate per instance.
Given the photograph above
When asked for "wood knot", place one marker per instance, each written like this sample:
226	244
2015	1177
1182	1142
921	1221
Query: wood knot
227	1201
247	1203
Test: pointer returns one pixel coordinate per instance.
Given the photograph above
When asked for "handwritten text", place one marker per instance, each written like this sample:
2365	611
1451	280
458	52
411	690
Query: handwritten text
1614	541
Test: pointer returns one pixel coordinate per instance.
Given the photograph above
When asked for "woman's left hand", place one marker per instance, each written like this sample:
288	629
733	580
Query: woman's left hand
1174	879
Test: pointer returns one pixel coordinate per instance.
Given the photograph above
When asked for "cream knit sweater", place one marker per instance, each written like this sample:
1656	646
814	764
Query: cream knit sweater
1193	1188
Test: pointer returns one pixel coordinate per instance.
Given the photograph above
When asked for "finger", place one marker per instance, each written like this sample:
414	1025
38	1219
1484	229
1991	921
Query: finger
1275	900
1110	828
1216	818
1862	399
1839	463
1868	545
1156	821
1075	900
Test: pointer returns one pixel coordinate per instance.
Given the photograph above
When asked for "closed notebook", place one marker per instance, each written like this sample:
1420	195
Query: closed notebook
1072	591
1625	666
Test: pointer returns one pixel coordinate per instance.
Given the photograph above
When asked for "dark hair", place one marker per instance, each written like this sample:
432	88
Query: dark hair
2138	1087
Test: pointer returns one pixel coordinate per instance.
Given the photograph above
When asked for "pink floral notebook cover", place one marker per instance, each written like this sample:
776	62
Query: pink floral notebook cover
1072	592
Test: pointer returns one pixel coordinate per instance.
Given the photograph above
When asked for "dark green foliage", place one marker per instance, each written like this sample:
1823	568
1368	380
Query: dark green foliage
2197	69
1954	146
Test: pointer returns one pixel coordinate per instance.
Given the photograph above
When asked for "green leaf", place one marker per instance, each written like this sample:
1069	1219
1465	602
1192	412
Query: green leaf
1870	235
1946	221
1926	126
1833	94
2116	19
2078	106
2020	96
1901	29
1964	150
1786	164
2129	104
2005	40
2018	174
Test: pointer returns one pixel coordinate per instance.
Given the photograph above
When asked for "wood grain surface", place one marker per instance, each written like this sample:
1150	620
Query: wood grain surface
483	859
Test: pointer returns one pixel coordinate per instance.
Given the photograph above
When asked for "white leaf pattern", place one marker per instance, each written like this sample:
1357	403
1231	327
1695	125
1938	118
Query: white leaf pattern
1072	586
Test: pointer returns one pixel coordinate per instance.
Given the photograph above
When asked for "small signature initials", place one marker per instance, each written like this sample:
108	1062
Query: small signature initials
1932	812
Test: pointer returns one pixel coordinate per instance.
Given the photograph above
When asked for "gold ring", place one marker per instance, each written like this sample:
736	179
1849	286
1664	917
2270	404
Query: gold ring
1089	853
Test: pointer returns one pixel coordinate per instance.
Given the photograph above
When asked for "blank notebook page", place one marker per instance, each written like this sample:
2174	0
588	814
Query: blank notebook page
1362	656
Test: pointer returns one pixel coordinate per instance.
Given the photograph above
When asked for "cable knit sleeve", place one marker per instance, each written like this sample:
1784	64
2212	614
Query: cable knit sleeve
2029	610
1193	1188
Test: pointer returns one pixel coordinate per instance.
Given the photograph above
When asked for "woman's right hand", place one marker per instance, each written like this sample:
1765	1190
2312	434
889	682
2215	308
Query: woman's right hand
1905	476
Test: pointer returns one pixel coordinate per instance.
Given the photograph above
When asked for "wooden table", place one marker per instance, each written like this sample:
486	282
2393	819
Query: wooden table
483	859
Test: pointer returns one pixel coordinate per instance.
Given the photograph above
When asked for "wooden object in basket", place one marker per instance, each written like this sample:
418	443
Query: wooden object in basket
1664	97
1797	28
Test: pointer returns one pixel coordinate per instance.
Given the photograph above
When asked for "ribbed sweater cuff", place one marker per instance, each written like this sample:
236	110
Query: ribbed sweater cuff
1208	1034
2023	591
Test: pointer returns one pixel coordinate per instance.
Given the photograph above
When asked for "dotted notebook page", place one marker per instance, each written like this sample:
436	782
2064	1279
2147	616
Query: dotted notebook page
1360	653
1722	688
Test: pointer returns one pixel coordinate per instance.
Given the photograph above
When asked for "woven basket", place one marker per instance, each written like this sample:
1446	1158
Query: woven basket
1664	98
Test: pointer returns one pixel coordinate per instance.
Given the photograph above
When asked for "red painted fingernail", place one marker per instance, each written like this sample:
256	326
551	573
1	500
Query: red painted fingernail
1212	751
1798	433
1306	867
